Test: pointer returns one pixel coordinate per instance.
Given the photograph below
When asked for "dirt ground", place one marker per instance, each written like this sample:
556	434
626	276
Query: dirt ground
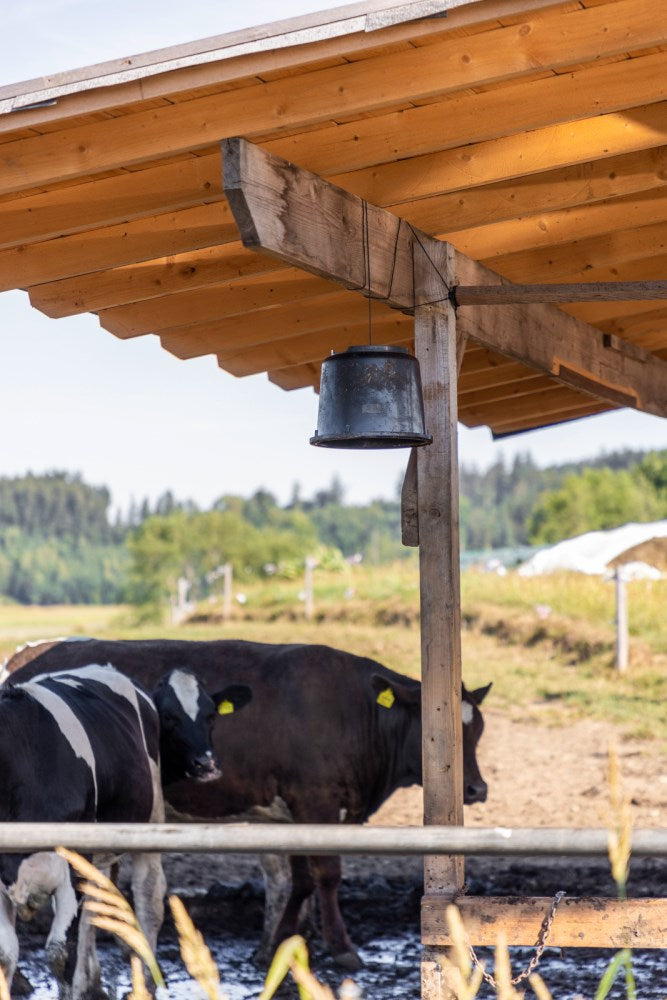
537	776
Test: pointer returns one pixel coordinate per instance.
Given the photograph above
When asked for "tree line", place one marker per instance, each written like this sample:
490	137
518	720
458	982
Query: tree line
60	544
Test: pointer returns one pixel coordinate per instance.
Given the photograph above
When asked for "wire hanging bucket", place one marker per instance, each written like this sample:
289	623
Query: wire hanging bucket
371	397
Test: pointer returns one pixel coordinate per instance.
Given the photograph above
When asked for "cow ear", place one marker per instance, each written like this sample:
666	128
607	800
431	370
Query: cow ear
232	698
389	692
479	694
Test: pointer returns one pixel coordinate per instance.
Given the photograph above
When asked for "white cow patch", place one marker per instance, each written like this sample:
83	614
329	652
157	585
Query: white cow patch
68	724
186	689
111	678
466	713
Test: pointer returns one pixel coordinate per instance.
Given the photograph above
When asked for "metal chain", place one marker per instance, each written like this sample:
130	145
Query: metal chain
540	945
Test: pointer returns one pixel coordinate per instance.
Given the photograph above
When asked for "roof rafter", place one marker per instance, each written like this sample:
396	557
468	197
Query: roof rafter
305	221
549	42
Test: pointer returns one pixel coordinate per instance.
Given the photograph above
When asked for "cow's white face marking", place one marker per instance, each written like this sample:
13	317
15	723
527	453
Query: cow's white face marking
186	689
466	713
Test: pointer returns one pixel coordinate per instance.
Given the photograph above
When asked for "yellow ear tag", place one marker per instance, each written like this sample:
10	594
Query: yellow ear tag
386	698
225	708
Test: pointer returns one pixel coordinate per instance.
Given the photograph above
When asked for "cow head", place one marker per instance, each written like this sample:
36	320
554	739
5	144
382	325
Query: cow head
403	699
187	713
474	787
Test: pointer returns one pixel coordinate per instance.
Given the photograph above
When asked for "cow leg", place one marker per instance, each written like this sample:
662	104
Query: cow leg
149	887
87	977
302	887
9	942
326	873
277	884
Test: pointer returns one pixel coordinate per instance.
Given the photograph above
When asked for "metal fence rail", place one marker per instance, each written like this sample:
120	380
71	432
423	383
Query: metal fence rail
294	838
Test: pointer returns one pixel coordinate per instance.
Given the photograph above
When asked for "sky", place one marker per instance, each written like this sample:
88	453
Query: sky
128	415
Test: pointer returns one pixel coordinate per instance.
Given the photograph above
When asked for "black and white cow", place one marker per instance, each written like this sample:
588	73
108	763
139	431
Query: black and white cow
83	745
329	734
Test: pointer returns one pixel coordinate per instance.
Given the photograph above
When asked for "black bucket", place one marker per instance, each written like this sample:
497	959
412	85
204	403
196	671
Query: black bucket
371	397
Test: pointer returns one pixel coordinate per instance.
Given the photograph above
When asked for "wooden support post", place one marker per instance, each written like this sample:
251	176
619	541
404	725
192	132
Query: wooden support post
410	489
438	498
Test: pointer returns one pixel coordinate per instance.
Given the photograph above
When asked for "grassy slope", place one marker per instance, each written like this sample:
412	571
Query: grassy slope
546	643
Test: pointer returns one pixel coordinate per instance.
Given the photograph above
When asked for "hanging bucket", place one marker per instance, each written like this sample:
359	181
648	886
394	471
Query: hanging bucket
370	397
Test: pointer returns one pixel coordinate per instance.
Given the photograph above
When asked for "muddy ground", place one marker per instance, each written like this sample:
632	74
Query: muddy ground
537	776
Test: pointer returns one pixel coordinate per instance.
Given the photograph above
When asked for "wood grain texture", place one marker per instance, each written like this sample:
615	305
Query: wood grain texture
579	922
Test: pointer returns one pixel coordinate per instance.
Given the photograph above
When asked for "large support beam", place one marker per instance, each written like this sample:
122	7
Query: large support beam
305	221
440	598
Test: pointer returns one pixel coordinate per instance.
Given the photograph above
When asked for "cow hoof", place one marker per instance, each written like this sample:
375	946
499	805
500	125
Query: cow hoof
21	987
348	960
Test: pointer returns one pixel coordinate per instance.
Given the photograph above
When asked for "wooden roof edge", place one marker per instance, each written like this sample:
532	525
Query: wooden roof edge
364	16
290	31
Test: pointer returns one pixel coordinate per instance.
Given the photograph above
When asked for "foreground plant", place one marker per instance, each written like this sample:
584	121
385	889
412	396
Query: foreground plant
292	956
468	975
620	842
111	911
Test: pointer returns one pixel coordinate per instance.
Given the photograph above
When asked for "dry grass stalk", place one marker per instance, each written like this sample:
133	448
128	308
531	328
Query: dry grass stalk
292	956
539	987
4	988
620	827
138	991
467	981
111	911
194	952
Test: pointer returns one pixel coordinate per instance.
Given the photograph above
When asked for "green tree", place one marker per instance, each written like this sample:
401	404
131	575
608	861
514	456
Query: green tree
593	500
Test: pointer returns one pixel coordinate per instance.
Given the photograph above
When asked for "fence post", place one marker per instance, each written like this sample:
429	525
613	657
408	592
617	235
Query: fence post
308	589
622	641
227	592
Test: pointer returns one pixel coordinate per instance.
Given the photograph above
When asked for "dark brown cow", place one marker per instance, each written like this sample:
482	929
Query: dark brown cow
329	733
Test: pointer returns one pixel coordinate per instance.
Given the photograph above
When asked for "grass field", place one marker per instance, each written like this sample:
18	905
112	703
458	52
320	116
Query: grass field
546	643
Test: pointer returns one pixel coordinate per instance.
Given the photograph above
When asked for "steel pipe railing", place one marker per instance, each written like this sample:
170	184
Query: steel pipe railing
295	838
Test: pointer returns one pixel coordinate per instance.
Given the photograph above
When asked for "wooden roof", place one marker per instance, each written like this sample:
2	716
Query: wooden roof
529	134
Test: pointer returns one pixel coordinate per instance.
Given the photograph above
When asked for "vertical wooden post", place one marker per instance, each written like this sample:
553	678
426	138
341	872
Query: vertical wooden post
622	643
438	500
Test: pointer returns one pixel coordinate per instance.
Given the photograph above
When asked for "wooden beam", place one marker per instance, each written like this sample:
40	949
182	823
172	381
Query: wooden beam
510	176
196	180
578	231
595	291
109	201
578	923
474	117
610	248
310	347
503	54
148	280
303	220
100	249
228	337
202	305
439	574
577	355
297	378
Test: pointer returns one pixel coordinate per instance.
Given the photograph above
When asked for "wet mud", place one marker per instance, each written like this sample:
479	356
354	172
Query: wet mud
380	899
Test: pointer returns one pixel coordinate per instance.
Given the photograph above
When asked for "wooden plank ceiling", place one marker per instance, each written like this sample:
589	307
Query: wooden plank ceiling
531	135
